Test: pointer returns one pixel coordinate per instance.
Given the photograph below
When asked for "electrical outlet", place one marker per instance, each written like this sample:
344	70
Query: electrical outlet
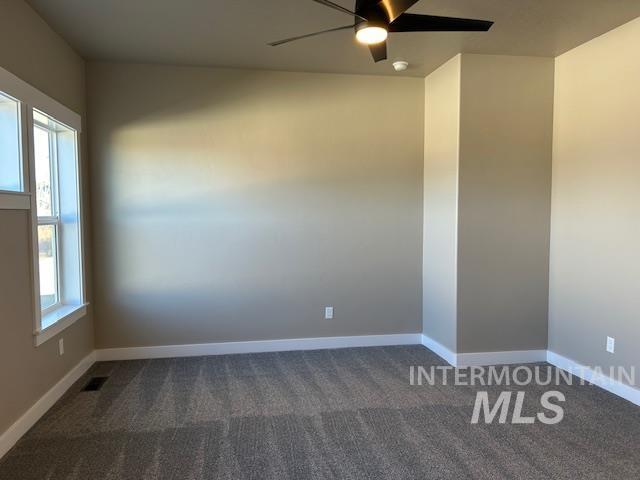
611	344
328	313
61	346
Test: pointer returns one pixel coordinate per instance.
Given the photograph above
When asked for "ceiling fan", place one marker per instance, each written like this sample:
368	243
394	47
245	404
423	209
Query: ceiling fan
375	19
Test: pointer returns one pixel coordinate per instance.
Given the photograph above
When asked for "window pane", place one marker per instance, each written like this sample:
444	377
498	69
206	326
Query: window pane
41	142
10	158
47	240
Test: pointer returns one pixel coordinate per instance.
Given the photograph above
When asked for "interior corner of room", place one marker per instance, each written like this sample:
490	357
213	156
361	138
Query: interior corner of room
483	205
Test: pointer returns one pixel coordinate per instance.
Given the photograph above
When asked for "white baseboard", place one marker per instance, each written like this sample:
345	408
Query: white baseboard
443	352
258	346
596	378
462	360
482	359
9	438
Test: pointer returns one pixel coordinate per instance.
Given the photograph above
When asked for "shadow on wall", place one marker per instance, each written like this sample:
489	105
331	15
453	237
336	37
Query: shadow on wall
236	204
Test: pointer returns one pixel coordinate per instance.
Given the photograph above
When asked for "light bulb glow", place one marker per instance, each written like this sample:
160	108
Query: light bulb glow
371	35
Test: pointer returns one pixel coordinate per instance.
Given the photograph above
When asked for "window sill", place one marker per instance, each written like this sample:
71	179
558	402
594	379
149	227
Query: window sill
58	320
14	200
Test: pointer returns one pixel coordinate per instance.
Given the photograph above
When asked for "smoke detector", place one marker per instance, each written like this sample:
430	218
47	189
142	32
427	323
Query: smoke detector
400	65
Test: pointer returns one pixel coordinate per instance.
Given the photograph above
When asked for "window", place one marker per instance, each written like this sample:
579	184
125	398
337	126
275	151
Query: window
57	202
40	174
10	145
47	201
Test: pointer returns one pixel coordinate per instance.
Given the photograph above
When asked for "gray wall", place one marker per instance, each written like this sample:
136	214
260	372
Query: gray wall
33	52
235	204
488	147
504	204
595	266
440	242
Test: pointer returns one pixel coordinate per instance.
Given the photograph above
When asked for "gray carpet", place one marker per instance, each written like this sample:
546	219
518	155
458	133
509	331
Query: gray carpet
347	414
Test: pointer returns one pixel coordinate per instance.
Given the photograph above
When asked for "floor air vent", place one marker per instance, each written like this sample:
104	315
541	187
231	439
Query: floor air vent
95	384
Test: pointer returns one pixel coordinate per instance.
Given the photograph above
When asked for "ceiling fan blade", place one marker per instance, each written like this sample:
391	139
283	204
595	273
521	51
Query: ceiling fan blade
379	51
395	8
339	8
287	40
408	22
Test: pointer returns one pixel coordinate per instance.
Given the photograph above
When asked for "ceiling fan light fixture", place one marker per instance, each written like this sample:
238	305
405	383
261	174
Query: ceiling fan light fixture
371	34
372	20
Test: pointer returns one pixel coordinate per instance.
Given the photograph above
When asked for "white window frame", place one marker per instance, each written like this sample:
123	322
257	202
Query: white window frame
30	98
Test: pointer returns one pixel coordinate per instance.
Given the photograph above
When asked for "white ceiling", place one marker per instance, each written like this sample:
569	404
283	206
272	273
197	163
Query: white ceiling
234	33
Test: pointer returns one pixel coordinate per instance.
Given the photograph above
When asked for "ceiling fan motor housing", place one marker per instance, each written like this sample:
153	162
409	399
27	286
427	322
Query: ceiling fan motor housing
376	17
